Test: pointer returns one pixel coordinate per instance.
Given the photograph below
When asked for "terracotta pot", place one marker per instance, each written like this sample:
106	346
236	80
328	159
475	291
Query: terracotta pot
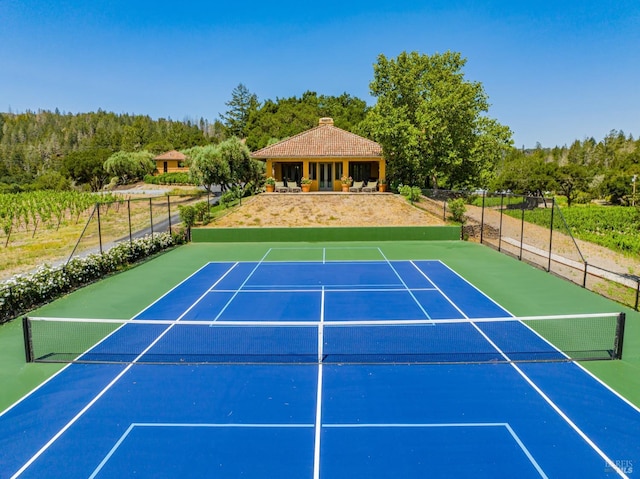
270	188
382	188
345	188
306	188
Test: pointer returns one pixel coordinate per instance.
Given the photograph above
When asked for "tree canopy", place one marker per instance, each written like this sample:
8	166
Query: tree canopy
228	164
430	121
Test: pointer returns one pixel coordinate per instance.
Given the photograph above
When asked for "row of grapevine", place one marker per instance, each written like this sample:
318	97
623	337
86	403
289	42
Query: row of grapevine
614	227
31	210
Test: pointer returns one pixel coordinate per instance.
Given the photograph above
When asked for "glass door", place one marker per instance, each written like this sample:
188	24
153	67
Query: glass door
325	178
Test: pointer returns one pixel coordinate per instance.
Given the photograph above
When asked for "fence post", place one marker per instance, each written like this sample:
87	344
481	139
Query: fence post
500	227
521	229
553	208
151	215
484	193
99	228
637	295
169	211
129	214
95	207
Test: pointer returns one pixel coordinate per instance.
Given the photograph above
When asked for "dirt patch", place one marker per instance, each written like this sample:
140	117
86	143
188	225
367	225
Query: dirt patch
327	209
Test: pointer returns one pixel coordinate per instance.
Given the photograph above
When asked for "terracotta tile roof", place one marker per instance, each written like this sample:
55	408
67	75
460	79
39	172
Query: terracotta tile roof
171	155
325	140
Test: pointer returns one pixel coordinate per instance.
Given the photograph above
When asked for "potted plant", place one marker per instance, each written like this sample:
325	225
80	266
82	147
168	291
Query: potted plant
305	184
382	185
346	182
270	184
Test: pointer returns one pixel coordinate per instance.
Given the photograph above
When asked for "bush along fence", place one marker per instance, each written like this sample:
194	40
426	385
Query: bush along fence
23	293
533	229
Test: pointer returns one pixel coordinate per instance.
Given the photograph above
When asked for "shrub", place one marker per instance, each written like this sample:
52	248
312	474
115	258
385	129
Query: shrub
168	179
457	210
25	292
411	193
229	197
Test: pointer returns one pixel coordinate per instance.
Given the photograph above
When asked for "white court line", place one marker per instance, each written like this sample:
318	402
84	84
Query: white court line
131	427
438	289
203	425
68	365
318	420
242	285
424	311
509	429
537	389
101	393
289	288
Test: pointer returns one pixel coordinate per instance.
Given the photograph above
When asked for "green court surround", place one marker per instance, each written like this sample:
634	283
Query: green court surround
519	287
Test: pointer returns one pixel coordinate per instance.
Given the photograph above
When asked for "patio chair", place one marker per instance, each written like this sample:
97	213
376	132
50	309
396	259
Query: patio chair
371	187
357	186
281	187
293	187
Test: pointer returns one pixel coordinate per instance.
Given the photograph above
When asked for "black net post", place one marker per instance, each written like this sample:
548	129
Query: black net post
26	332
637	295
584	277
617	352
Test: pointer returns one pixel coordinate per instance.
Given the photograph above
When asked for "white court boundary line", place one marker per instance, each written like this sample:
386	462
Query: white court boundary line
424	311
316	473
536	388
133	318
318	416
602	383
224	308
104	390
527	379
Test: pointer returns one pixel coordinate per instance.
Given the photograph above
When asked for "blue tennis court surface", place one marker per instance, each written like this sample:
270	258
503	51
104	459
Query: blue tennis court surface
360	401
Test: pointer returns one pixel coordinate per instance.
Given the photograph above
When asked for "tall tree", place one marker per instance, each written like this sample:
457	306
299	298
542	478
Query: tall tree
130	166
242	103
228	164
87	166
430	121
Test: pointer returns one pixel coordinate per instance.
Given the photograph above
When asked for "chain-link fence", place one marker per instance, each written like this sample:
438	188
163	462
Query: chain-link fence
105	225
533	229
125	220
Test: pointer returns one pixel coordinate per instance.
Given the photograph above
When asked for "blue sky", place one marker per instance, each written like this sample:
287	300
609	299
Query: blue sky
555	71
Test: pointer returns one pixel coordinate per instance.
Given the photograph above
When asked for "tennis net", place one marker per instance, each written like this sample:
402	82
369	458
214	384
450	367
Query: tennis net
535	338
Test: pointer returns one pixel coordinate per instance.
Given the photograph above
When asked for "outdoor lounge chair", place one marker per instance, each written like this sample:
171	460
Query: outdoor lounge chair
371	187
281	187
357	186
293	187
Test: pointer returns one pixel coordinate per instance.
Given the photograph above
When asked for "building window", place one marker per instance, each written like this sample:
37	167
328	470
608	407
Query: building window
338	171
313	171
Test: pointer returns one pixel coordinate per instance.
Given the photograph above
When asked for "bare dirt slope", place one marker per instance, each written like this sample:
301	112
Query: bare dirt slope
327	209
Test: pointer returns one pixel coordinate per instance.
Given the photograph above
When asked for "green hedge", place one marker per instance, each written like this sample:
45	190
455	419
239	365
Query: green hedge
23	293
